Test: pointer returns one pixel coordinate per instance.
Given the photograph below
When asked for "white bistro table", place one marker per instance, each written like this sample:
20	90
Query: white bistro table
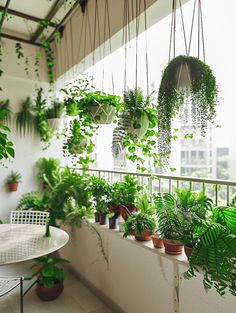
20	242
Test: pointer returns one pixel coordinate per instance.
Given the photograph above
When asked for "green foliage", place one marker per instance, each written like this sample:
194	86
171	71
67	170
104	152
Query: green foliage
144	204
40	108
140	140
56	110
128	190
202	93
35	201
25	118
14	177
138	222
115	192
215	252
48	171
5	106
100	190
49	273
6	146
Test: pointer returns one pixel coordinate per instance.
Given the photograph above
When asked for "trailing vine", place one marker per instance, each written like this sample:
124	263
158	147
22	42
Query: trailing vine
201	94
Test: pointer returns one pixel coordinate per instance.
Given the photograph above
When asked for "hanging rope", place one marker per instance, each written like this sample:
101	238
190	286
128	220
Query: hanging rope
125	22
172	28
110	44
138	5
146	43
183	26
192	25
203	39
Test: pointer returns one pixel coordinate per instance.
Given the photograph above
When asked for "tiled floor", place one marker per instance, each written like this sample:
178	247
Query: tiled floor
76	298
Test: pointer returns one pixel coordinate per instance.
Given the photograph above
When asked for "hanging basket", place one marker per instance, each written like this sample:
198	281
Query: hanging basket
55	123
139	132
104	114
77	148
183	77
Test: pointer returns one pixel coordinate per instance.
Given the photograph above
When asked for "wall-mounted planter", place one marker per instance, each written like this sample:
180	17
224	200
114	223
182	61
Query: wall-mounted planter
55	123
12	186
172	247
102	114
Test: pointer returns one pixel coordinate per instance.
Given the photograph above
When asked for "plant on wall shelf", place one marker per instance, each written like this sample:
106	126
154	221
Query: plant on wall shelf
136	129
54	115
13	180
26	118
185	78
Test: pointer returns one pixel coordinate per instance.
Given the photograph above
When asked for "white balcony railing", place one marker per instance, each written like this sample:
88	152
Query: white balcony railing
221	191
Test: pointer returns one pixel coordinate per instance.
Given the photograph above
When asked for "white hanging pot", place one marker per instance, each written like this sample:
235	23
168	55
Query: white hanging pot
139	132
104	114
77	148
55	123
183	77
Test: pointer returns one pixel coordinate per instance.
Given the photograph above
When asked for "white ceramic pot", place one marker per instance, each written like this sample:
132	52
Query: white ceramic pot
139	132
102	114
55	123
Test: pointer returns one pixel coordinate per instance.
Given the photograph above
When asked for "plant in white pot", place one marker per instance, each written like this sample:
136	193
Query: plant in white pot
55	115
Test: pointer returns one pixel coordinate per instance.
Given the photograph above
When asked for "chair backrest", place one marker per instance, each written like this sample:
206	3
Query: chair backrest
29	217
8	283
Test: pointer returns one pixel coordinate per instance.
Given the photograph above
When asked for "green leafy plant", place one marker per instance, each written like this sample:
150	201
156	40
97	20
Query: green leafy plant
6	146
215	252
55	111
100	190
128	191
14	177
40	109
48	171
144	204
135	130
49	272
138	222
5	106
202	93
26	118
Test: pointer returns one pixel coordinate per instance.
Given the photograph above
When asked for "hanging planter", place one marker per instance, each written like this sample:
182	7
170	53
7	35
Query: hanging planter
139	126
185	78
55	123
102	114
54	116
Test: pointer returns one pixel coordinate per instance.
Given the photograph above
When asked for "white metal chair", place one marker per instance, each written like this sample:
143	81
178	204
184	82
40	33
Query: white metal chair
8	283
29	217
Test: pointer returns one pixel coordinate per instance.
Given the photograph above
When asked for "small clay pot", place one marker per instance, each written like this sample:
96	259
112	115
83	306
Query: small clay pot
112	223
188	251
103	218
145	236
157	241
12	186
49	294
172	247
97	217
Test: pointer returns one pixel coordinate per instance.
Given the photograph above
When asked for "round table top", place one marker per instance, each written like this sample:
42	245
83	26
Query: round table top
21	242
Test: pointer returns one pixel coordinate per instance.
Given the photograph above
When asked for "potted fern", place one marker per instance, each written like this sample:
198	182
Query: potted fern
13	181
169	222
185	77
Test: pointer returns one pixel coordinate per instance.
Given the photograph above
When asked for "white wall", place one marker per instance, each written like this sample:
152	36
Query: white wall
16	87
139	278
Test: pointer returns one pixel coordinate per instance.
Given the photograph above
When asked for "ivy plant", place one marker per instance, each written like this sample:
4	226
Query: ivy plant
6	146
202	94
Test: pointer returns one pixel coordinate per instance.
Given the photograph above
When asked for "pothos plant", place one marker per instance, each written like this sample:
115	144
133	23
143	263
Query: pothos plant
136	129
200	91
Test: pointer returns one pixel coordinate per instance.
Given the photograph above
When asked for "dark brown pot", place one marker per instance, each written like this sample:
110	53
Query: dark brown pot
145	236
172	247
97	217
49	294
103	218
12	186
157	242
125	210
114	208
188	251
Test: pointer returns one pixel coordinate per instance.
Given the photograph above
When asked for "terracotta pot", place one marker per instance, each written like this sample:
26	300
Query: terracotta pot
49	294
112	223
114	208
97	217
132	232
188	251
145	236
126	209
172	247
157	241
103	218
12	186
